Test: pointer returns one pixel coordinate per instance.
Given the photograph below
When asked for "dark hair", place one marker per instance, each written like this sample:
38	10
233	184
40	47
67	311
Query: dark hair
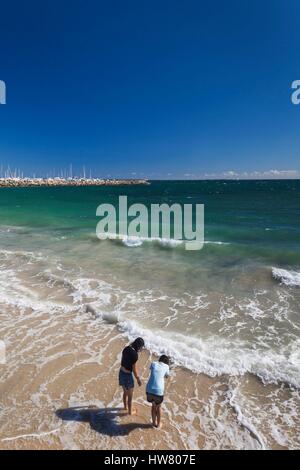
164	359
138	344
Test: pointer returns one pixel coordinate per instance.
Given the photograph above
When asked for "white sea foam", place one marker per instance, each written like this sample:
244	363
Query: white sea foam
33	435
14	294
216	356
213	354
136	241
6	254
132	241
211	242
289	278
243	420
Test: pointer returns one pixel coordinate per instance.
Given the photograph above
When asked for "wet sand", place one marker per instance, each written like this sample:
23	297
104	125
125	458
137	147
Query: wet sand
38	410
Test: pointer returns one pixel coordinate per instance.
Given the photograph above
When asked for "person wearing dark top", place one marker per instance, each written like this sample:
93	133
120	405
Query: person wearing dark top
128	369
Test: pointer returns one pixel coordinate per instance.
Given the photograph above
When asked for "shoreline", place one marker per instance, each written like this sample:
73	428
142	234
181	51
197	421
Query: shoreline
62	392
52	182
90	416
94	417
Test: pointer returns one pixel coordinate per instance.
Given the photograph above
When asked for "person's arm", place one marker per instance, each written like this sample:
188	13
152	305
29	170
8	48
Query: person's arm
135	373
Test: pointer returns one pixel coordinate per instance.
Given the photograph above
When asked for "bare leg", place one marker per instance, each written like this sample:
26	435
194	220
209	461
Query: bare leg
130	395
125	396
158	416
153	414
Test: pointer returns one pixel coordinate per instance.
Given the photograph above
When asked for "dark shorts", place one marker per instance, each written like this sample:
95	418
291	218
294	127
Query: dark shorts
156	399
126	380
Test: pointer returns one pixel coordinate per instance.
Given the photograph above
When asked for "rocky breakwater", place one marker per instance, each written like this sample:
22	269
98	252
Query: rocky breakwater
30	182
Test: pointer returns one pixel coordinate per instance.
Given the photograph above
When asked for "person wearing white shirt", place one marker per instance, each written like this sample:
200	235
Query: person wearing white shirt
156	387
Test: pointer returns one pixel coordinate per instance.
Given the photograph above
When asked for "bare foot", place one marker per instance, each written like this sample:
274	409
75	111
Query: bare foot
133	412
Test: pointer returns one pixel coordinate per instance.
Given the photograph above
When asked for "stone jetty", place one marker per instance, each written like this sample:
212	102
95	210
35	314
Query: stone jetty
30	182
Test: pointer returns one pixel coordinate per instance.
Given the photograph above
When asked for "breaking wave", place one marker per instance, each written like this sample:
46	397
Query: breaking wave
136	241
288	278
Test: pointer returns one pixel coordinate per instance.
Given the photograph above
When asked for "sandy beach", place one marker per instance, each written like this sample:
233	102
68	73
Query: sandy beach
97	420
73	402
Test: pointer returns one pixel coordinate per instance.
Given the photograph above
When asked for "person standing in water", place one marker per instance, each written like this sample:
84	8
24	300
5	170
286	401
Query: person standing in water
156	387
128	370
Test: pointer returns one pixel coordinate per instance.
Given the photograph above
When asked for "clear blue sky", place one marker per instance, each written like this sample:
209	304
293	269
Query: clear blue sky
161	88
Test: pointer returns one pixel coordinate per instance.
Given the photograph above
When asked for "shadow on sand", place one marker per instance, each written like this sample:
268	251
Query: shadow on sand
102	420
